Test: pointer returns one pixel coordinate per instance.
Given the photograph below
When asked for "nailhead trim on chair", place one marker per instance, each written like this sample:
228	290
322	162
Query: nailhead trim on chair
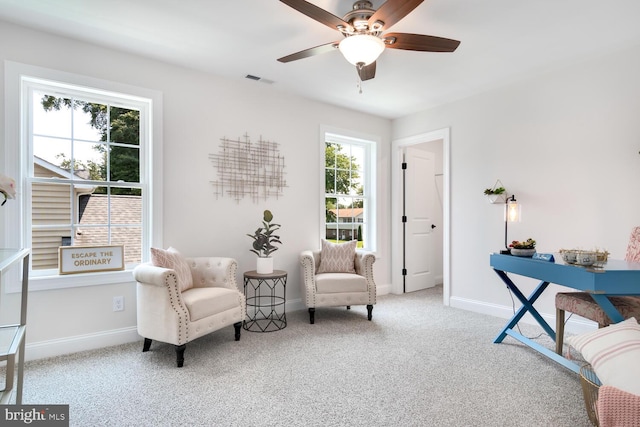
309	271
178	307
368	260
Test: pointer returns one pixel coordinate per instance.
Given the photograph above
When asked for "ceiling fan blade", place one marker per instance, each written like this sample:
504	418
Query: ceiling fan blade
323	48
392	11
419	42
367	72
316	13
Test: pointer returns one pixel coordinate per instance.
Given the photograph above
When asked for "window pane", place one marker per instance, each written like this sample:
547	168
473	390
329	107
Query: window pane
56	152
93	208
343	181
126	209
51	115
330	154
51	223
357	157
356	188
45	243
330	210
344	219
124	164
330	181
360	233
125	126
84	127
51	204
90	160
131	239
91	236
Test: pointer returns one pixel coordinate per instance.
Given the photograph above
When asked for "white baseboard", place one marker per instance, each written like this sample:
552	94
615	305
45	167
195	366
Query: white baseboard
68	345
383	289
575	325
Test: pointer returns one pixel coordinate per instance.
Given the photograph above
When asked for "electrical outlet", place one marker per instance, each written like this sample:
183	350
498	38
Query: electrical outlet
118	303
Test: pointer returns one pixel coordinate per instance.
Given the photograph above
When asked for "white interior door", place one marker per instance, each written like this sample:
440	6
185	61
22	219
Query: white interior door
420	199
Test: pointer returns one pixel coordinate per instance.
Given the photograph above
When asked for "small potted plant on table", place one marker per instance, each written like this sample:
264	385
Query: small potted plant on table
525	248
264	243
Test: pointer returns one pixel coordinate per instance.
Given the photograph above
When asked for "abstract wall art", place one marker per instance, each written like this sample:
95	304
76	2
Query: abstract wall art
248	169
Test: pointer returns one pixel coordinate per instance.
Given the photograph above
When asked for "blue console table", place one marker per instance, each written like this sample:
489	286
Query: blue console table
617	277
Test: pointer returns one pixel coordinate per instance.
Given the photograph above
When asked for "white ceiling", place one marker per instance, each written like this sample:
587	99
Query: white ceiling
501	41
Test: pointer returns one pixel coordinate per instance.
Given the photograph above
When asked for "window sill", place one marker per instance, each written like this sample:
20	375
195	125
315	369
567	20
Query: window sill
47	283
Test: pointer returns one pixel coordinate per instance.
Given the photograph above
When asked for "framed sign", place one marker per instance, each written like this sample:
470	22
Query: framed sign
90	259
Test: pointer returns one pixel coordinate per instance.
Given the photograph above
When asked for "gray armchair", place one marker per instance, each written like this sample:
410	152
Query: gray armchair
177	313
338	288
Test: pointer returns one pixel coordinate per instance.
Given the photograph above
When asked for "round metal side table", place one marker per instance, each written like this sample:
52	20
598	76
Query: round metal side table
266	297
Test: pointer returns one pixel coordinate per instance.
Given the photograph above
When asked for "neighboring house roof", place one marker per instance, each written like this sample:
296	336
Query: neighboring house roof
347	213
57	170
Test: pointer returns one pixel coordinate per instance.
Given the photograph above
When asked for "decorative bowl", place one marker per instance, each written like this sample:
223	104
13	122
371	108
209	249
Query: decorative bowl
523	252
569	256
586	258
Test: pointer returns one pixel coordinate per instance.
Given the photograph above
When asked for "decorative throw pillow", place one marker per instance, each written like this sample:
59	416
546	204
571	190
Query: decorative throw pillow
174	260
337	257
613	352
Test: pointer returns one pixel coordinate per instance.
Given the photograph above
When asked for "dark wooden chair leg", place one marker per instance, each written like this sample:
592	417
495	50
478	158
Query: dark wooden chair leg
238	327
559	330
369	310
312	312
147	345
180	354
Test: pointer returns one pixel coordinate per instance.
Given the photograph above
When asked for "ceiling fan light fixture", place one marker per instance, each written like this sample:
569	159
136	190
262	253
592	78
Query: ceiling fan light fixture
361	48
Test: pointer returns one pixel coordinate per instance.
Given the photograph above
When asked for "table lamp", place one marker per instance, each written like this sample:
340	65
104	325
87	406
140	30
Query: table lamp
512	213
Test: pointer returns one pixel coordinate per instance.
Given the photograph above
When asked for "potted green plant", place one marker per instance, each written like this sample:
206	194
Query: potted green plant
525	248
495	194
264	241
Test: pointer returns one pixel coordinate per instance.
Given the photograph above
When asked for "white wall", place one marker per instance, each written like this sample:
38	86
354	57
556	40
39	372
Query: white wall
199	109
566	144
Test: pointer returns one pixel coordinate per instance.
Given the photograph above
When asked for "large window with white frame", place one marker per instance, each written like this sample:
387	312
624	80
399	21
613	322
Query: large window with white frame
85	173
349	179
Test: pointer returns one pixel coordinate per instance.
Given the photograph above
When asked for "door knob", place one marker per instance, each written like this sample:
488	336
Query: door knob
433	226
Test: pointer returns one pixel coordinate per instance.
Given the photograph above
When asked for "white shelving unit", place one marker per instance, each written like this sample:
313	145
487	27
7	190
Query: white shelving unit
12	337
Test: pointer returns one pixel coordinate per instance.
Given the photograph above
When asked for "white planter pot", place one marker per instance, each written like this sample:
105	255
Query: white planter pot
495	198
264	265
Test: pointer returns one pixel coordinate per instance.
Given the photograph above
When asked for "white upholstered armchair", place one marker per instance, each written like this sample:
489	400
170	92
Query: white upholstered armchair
337	287
186	299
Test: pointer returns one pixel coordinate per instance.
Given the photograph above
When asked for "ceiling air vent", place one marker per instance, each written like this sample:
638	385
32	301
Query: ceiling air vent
260	79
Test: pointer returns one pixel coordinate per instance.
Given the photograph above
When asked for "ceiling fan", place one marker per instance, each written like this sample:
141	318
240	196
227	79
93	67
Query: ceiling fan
362	29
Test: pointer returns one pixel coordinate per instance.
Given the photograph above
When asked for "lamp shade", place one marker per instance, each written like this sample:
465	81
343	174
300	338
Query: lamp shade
513	211
361	48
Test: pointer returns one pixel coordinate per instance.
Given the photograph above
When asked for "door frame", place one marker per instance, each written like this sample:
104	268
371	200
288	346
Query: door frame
396	208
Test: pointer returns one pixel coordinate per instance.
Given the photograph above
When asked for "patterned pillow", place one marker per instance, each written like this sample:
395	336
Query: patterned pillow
633	249
337	257
613	352
172	259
